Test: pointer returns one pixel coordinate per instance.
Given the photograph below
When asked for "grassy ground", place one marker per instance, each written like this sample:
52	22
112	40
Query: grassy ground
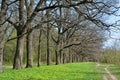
72	71
115	70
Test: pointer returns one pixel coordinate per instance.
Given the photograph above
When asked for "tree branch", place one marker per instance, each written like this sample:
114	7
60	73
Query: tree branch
64	6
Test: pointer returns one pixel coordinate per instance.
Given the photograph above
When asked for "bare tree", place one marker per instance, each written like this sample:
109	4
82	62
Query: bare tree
21	30
83	11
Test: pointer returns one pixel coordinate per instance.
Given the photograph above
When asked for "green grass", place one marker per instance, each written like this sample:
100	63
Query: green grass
71	71
115	70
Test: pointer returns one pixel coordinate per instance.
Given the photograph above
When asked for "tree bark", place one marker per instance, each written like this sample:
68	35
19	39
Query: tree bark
48	49
63	58
69	57
60	56
57	56
2	30
29	49
20	40
29	6
1	47
39	50
19	53
48	34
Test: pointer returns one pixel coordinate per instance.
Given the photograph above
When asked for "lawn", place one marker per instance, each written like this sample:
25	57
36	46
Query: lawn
71	71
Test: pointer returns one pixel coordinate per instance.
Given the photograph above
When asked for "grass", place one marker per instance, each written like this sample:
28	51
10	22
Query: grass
71	71
115	70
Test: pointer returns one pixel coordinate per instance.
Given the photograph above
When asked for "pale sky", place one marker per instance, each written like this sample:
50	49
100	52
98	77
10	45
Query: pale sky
114	36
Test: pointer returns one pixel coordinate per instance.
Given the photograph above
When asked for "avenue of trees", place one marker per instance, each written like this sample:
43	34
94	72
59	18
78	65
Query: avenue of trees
33	32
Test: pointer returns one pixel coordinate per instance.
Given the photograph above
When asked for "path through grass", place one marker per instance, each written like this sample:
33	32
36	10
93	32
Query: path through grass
71	71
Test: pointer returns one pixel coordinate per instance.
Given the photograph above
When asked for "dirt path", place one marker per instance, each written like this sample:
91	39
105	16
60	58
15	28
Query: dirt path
105	78
97	64
108	72
10	67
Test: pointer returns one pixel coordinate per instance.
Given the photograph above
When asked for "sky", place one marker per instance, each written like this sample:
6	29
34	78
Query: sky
114	35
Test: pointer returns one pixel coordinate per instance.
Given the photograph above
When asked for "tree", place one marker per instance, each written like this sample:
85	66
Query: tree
2	30
21	29
29	35
20	40
39	49
48	36
67	18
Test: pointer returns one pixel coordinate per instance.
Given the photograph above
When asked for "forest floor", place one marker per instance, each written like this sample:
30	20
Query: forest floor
71	71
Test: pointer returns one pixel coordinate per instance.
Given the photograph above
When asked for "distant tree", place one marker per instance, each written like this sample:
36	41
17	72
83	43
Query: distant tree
39	48
111	54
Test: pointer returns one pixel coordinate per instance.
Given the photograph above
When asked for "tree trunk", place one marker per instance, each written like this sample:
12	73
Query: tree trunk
29	49
77	58
2	30
69	57
19	53
48	34
63	58
72	58
29	6
48	50
39	50
57	56
60	56
20	40
1	47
